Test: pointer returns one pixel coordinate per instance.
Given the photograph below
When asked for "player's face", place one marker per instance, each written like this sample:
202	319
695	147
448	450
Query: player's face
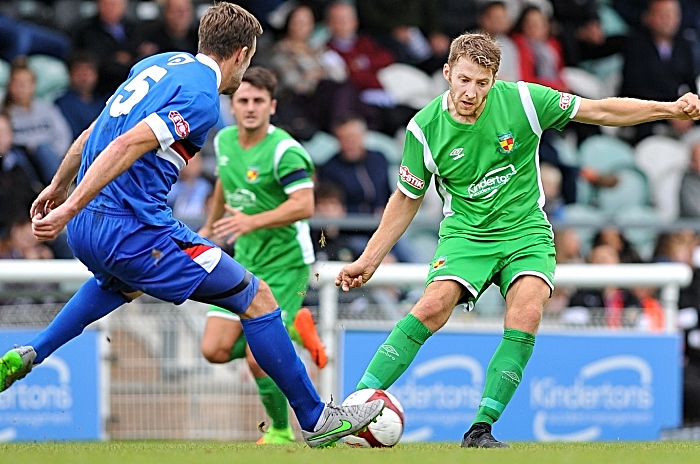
252	107
469	86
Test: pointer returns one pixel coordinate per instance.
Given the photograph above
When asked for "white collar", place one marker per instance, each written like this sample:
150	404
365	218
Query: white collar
208	61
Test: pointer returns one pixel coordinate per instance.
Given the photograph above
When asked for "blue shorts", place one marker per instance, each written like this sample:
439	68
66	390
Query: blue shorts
168	262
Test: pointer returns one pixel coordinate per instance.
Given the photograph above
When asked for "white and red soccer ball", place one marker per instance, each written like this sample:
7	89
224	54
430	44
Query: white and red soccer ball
384	433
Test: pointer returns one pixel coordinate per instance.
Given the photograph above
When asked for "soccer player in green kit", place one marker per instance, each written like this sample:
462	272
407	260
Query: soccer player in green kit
480	141
265	186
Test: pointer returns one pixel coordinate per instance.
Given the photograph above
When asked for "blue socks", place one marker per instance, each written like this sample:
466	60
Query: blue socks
273	350
89	304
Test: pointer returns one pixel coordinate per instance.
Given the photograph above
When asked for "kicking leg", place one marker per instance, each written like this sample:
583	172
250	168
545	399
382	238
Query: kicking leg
270	344
398	351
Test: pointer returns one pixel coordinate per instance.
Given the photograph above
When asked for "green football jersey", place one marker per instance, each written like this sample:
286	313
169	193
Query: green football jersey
259	179
486	173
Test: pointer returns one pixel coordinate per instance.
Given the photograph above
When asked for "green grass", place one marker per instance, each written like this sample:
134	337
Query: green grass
155	452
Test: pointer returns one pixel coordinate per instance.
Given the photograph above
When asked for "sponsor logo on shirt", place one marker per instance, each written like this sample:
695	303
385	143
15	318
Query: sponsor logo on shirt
410	178
506	143
565	100
182	128
492	181
457	153
251	174
241	198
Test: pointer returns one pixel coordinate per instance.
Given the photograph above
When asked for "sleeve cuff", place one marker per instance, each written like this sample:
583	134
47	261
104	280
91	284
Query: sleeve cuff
160	129
294	188
574	110
406	192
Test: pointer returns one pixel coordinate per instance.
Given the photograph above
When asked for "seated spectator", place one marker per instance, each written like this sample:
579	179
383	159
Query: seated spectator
363	59
37	125
314	92
614	237
581	32
80	105
189	195
23	243
659	64
541	59
330	243
690	186
114	39
175	31
495	20
19	181
608	306
362	175
411	29
21	38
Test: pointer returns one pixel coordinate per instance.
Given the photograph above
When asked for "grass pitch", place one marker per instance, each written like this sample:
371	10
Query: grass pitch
154	452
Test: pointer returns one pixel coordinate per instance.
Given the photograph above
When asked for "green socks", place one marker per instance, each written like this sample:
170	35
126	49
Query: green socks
274	401
238	350
504	374
396	354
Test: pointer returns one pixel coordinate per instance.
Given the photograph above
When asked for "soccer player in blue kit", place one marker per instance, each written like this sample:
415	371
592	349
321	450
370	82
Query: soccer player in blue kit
120	227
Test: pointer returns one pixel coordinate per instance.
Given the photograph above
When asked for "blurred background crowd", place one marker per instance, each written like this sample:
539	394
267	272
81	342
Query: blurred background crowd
351	76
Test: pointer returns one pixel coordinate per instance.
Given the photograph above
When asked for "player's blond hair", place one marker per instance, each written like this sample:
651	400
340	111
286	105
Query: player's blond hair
480	48
225	28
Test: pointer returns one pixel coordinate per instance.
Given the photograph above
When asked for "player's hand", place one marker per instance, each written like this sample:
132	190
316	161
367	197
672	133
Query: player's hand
233	226
48	227
48	199
205	231
688	107
354	275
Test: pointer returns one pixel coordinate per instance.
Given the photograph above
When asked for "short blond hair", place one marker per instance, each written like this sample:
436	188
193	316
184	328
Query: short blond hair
225	28
480	48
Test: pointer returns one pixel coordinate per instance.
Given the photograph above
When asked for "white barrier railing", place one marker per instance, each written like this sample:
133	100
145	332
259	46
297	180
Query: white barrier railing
669	277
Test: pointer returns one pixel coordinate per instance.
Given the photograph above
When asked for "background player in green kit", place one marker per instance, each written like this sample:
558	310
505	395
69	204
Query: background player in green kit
480	141
265	186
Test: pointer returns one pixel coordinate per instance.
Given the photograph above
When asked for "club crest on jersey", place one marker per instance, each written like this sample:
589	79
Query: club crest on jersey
410	178
182	127
438	263
506	143
565	100
252	174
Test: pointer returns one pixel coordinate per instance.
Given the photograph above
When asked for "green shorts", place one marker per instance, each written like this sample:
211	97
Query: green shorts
288	287
476	264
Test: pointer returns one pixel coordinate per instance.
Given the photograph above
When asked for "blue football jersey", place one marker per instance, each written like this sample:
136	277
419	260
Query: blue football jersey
176	94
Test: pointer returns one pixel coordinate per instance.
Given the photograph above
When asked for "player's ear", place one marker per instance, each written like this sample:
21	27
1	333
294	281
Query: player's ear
446	72
273	106
241	54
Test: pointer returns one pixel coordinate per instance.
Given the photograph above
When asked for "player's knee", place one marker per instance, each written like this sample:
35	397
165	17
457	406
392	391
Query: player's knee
263	302
214	352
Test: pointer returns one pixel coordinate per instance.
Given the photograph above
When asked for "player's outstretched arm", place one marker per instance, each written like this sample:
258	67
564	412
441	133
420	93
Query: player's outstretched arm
631	111
114	160
399	212
56	193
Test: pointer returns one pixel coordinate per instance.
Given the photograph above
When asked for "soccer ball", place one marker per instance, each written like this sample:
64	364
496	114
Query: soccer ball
384	433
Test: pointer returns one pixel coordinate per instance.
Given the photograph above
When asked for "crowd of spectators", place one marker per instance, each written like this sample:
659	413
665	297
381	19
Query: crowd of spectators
350	68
